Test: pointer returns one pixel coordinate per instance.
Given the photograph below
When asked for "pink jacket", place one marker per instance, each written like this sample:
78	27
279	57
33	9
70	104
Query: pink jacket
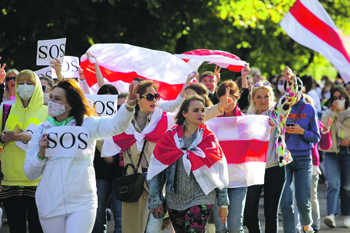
325	143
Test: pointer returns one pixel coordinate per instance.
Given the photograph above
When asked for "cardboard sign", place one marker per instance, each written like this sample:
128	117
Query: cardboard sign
47	71
24	145
105	105
67	141
70	67
48	50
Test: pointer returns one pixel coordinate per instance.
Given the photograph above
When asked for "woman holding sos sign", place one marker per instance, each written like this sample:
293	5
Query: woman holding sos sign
62	151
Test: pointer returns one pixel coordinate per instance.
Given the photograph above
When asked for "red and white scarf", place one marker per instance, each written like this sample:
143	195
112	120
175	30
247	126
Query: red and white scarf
204	158
152	132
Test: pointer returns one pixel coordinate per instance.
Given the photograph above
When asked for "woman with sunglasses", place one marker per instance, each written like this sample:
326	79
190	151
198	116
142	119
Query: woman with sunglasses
337	159
46	84
66	195
10	85
302	134
18	192
263	103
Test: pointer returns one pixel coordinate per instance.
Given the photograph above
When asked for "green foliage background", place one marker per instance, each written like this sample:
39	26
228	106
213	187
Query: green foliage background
247	28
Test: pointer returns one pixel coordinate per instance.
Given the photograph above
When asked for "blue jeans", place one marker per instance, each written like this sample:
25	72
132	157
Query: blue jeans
105	192
301	169
273	186
338	176
234	221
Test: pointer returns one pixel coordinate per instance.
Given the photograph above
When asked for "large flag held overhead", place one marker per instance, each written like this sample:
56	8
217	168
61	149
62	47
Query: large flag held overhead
244	140
220	58
308	23
120	63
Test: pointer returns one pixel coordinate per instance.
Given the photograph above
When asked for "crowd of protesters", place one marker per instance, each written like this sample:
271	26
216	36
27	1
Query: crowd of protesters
310	136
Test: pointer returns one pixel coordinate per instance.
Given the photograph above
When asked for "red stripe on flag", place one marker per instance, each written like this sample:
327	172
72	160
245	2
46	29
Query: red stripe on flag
167	91
242	151
206	52
322	30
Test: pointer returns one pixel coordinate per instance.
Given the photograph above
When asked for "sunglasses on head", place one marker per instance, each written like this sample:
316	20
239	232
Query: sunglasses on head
151	97
8	79
262	84
45	88
341	97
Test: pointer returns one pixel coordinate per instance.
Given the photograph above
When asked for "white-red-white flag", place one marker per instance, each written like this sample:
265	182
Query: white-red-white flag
308	23
245	141
120	63
220	58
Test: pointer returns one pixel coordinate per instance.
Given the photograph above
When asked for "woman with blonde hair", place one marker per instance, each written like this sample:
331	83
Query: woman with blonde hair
10	85
263	103
18	192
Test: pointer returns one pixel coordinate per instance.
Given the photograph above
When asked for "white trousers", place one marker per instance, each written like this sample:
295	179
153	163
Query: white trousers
77	222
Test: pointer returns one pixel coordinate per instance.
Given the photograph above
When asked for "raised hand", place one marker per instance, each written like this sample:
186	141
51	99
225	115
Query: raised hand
91	57
245	71
2	72
226	102
57	66
133	97
217	72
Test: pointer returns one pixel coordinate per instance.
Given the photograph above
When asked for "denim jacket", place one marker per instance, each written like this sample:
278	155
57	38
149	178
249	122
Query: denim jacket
167	176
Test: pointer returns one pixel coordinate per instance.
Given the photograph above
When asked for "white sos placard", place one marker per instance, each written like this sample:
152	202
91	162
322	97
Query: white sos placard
105	105
48	50
67	141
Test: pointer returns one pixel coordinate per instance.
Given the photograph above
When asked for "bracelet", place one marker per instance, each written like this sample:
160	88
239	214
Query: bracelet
127	105
42	159
224	206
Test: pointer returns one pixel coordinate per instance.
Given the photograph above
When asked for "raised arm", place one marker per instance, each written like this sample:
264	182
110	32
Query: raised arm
57	66
99	76
173	105
104	127
285	104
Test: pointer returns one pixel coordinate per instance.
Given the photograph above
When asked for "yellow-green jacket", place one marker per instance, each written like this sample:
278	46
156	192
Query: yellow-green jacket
12	156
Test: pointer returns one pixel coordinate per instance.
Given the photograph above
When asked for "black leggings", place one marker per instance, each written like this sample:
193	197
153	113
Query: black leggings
18	209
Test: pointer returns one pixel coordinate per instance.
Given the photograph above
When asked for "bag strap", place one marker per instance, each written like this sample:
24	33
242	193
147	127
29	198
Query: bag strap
296	118
5	113
138	163
143	148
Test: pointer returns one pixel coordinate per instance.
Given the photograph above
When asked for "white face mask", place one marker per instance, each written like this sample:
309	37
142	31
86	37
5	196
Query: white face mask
327	95
25	91
46	97
281	88
341	104
56	109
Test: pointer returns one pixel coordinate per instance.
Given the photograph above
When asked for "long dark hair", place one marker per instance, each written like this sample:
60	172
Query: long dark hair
180	119
76	99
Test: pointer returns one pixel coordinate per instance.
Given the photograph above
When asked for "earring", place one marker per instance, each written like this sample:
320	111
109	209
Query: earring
185	122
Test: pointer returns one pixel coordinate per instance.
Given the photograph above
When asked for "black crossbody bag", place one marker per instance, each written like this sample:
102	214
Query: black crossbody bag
129	188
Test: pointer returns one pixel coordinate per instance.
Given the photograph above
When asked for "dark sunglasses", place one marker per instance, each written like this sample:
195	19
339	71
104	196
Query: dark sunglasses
262	84
151	97
341	97
8	79
45	88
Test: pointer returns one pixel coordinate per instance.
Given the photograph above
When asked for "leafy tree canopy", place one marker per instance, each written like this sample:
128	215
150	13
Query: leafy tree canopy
247	28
